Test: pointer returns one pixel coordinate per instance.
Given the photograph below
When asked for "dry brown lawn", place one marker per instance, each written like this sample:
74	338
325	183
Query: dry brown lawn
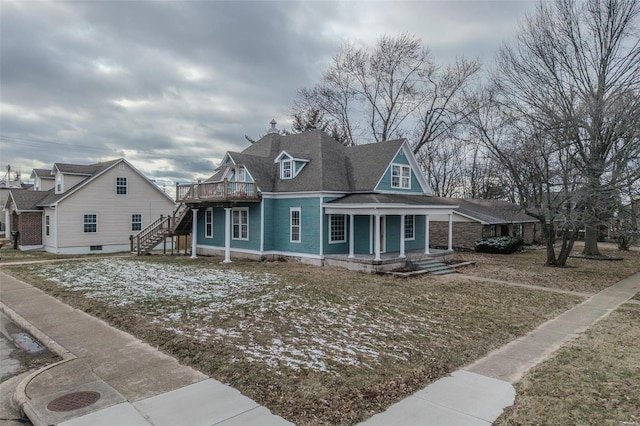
324	345
594	380
581	275
315	345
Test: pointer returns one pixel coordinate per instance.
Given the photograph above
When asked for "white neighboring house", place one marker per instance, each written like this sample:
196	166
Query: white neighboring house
78	209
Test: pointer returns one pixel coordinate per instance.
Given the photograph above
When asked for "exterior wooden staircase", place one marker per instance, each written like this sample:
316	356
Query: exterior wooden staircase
178	223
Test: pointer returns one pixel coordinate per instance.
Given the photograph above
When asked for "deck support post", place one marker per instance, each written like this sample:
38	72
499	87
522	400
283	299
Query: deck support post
426	234
351	236
194	233
450	245
227	235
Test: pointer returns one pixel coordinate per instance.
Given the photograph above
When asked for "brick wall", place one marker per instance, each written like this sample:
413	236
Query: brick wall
30	228
464	234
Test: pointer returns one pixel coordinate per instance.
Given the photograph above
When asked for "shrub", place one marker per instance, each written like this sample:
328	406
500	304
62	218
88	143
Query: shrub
500	245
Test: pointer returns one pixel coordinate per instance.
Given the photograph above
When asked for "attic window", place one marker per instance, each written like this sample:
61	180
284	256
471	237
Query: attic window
286	169
400	176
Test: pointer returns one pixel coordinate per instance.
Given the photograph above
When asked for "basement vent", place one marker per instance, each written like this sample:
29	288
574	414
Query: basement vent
95	248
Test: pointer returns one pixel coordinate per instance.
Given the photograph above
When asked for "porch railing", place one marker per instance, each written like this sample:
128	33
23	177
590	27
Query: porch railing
217	191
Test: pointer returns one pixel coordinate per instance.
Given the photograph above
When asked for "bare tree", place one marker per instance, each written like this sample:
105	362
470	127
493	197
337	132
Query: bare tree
535	162
397	90
574	70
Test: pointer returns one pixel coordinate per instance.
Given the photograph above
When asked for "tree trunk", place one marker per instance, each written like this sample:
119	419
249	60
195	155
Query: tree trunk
550	235
568	238
591	241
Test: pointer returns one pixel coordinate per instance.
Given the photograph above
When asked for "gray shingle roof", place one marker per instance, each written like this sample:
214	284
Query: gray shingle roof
331	165
43	173
408	199
492	212
90	170
26	200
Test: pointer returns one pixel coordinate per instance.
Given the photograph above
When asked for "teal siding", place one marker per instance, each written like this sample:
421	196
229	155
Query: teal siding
277	226
362	231
219	232
297	165
392	234
385	182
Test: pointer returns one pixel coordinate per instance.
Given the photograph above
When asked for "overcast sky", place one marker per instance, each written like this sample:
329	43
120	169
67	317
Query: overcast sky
172	85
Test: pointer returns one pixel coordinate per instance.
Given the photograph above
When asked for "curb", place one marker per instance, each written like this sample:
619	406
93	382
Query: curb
20	397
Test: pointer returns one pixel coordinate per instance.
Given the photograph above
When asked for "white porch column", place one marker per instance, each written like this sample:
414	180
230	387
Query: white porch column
194	232
7	224
351	234
402	254
227	235
426	234
376	238
450	232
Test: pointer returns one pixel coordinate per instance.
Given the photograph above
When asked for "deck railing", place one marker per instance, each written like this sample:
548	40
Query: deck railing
217	191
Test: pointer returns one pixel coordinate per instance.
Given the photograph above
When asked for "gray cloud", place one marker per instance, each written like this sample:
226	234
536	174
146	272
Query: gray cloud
172	86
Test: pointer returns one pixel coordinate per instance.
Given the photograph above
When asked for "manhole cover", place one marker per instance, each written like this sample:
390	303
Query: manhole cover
73	401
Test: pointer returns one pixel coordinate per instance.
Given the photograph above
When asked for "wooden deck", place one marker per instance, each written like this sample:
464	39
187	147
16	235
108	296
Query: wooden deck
225	191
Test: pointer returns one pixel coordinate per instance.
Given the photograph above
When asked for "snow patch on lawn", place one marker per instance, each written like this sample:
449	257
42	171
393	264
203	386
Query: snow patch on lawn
272	322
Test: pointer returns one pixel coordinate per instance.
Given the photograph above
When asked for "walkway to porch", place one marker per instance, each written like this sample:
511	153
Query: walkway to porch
388	262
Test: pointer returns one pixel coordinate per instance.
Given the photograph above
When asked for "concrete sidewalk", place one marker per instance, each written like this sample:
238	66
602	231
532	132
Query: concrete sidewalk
109	377
478	393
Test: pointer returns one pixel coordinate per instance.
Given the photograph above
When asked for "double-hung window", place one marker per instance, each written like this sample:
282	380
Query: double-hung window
409	227
136	222
294	223
90	223
400	176
121	186
46	225
337	228
208	223
240	224
286	169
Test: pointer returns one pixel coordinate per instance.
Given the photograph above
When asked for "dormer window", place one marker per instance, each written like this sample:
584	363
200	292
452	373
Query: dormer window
290	166
286	169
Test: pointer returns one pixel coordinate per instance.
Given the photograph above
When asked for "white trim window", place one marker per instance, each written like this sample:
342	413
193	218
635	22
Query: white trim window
46	225
208	223
337	228
295	227
400	176
90	222
240	224
136	222
286	169
242	174
121	186
409	227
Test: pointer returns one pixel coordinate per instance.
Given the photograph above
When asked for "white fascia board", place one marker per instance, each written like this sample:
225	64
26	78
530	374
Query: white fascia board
408	153
482	222
385	209
227	155
291	157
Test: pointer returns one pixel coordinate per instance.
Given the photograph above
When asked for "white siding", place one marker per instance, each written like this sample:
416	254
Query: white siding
113	211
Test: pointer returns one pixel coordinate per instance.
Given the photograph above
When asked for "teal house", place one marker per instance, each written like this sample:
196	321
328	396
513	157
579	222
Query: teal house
308	197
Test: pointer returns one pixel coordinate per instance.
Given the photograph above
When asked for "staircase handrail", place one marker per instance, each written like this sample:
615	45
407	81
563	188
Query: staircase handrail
150	232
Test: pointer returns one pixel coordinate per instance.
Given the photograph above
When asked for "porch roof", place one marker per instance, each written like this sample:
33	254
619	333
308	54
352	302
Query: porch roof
376	203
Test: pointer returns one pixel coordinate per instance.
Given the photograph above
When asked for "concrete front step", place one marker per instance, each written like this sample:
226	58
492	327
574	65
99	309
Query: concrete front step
433	266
